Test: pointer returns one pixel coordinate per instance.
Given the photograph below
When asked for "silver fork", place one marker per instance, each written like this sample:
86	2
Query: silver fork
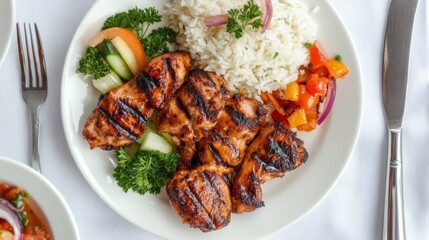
34	83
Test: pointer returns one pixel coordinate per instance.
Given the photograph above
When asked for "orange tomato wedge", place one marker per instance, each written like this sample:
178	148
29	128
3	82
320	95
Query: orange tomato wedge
128	37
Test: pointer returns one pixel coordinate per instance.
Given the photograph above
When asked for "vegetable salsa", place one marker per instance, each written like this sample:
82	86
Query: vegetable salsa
19	218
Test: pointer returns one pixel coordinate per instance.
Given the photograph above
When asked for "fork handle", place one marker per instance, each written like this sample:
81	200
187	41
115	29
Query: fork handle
394	224
34	114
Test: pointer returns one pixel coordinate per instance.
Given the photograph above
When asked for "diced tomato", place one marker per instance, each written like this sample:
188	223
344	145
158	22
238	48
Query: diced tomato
4	225
11	194
317	86
306	99
317	59
277	117
322	71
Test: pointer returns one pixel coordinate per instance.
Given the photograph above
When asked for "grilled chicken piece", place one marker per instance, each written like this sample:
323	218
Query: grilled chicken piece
122	113
273	152
165	75
202	196
193	112
238	124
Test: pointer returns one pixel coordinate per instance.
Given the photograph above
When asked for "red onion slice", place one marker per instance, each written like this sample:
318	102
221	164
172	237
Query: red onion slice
8	213
217	20
328	101
267	14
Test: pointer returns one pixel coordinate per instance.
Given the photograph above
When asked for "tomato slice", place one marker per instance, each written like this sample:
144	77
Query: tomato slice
128	36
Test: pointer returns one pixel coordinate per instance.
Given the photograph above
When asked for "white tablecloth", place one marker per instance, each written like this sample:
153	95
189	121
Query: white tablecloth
354	207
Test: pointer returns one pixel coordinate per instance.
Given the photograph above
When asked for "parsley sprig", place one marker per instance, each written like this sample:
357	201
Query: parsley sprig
146	171
93	64
157	41
239	19
136	19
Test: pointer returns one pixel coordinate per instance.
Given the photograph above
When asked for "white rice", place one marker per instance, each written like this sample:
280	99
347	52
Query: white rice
247	63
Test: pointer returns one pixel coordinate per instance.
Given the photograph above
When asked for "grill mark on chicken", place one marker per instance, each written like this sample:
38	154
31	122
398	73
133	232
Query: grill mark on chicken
202	105
240	119
263	162
183	108
287	152
133	104
209	179
193	194
272	153
194	112
218	137
201	196
126	108
169	67
215	154
146	83
239	122
123	131
249	195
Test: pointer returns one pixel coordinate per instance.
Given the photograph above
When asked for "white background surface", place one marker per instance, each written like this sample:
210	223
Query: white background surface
353	209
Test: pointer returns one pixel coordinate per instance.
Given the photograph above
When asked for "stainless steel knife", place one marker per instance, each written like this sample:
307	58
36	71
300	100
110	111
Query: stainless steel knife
394	89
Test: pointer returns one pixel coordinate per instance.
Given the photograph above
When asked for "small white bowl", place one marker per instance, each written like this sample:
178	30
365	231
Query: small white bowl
7	20
48	198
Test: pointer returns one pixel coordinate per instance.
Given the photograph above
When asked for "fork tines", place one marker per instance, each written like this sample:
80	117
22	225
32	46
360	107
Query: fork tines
31	57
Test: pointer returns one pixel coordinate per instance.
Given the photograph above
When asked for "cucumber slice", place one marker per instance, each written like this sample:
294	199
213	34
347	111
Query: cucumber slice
153	141
112	56
107	82
126	53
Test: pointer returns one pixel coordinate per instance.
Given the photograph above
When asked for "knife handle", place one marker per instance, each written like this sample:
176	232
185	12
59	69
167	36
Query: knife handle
394	224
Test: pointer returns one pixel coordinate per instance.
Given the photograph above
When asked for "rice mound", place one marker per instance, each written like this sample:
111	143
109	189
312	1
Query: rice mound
256	62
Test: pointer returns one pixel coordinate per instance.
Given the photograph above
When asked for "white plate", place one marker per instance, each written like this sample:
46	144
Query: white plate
7	19
286	199
47	197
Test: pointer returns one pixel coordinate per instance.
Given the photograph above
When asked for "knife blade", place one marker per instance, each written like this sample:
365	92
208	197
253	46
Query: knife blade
396	55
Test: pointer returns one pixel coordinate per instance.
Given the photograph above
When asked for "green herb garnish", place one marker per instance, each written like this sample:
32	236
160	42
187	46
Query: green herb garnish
146	171
93	64
339	58
23	216
276	55
18	202
156	42
137	20
239	19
